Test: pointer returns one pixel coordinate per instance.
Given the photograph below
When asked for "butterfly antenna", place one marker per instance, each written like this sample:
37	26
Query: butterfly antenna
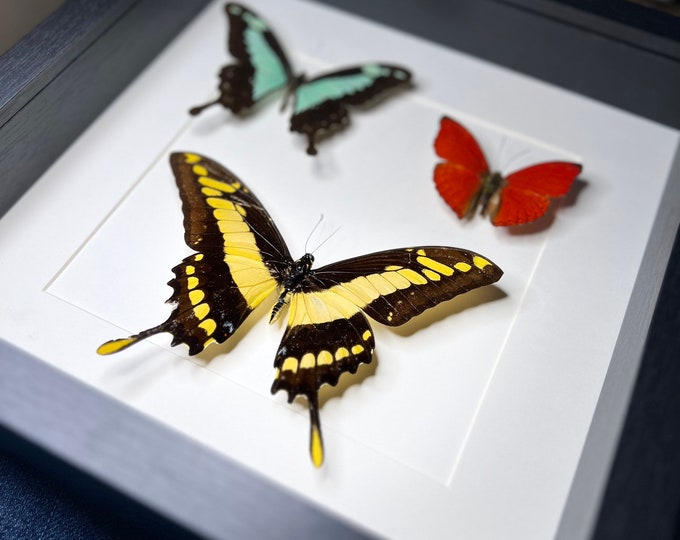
324	241
327	238
316	226
517	157
315	439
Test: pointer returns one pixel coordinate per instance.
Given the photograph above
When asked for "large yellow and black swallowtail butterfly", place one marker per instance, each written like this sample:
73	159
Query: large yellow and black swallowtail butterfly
241	259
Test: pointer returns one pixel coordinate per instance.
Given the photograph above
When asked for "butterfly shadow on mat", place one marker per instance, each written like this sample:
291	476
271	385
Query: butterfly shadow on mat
546	220
260	314
470	299
328	392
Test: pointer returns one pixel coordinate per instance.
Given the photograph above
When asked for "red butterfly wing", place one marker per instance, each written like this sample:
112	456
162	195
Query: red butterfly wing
457	186
460	178
456	144
553	178
525	196
519	206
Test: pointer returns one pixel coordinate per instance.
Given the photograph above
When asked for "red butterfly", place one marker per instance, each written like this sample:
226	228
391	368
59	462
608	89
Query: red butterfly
465	181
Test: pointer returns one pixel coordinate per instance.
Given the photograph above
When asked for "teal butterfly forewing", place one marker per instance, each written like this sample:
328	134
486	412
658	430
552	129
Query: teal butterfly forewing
241	259
262	68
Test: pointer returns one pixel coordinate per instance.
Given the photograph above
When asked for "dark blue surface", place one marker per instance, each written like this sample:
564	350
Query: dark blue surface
23	491
43	497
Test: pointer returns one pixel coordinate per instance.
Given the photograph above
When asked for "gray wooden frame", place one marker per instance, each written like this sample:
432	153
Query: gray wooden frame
56	81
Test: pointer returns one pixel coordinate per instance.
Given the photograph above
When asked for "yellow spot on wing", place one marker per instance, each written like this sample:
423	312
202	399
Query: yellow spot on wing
219	203
210	192
192	282
367	334
224	205
248	253
307	361
393	267
201	311
115	345
224	214
400	282
480	262
361	289
190	269
316	447
191	158
433	276
462	266
244	240
208	325
436	266
413	276
198	257
421	252
341	353
357	349
214	184
196	297
382	285
200	170
232	226
325	358
290	364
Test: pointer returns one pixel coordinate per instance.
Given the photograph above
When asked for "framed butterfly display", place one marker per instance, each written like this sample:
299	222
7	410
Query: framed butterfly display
241	259
319	104
466	182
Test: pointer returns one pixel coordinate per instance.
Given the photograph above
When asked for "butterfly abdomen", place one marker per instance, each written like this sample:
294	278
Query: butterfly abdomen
489	196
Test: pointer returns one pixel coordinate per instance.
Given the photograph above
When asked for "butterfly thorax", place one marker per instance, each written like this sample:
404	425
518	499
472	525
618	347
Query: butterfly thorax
297	272
489	194
295	82
292	280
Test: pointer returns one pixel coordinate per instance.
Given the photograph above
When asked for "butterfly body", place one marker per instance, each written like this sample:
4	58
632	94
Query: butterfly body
263	68
465	181
241	259
488	196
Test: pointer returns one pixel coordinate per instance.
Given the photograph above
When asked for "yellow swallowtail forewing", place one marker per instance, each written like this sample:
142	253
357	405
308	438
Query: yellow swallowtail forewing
241	259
